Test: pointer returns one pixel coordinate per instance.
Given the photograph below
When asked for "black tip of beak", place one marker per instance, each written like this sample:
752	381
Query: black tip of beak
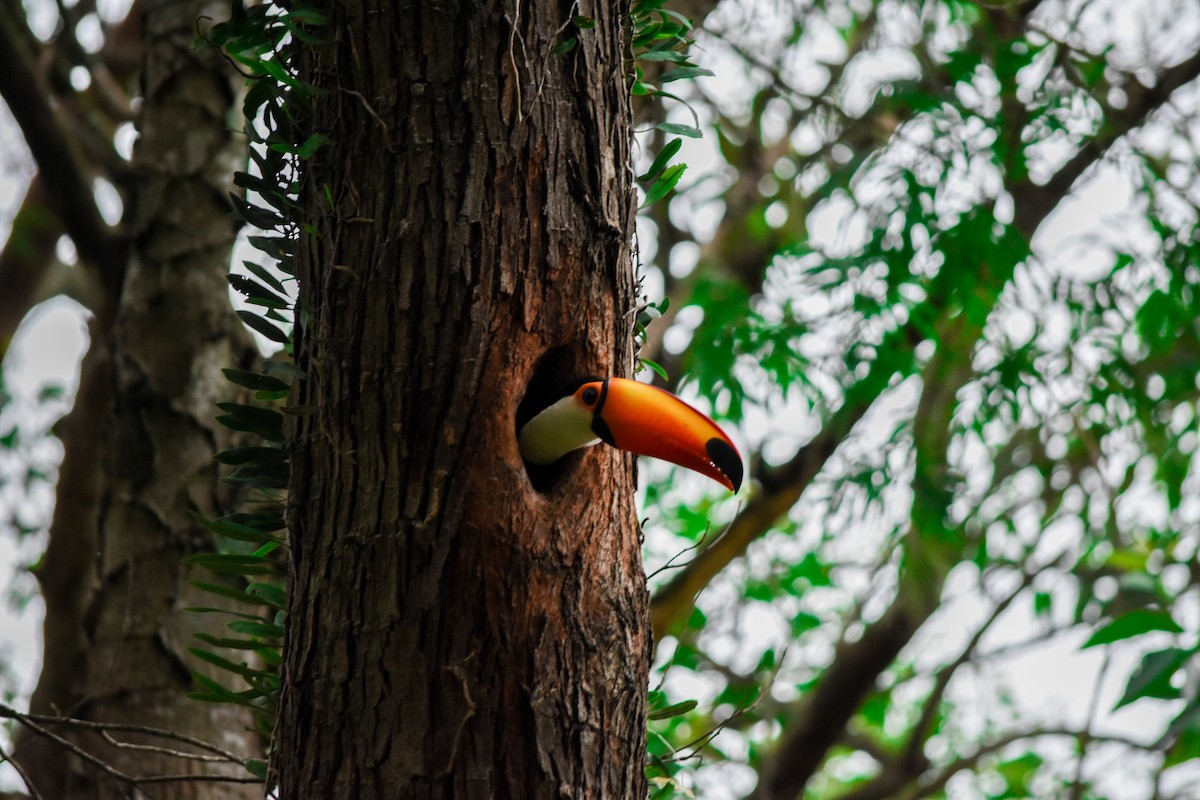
726	459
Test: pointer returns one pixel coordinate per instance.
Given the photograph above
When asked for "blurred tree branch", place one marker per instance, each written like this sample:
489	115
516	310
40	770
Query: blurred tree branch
824	711
29	269
56	151
901	768
931	548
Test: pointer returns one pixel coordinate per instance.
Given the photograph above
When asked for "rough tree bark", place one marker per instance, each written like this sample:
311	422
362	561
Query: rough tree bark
454	629
139	444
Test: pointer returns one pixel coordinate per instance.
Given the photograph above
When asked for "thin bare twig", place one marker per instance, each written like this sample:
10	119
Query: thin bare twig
95	761
946	673
138	780
38	724
8	712
166	751
29	787
703	740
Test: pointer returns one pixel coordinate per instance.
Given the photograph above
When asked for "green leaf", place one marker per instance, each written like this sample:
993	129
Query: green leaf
1185	729
1133	623
666	787
271	656
260	476
258	217
1041	603
213	692
255	380
268	593
213	610
263	629
673	56
644	7
277	71
875	708
660	161
255	292
241	595
664	184
565	47
655	367
257	645
264	275
686	73
804	622
266	549
252	182
233	530
232	564
262	326
1018	772
1153	676
676	710
266	422
277	247
263	520
681	130
305	15
809	571
1157	321
311	145
247	455
658	746
219	661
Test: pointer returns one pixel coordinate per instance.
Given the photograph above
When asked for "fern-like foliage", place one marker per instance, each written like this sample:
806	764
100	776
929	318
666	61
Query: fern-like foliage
251	544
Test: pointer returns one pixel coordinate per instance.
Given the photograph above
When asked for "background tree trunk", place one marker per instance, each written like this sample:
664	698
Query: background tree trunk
455	631
139	444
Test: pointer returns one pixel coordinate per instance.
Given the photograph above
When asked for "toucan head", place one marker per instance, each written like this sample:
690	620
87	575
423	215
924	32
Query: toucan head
631	416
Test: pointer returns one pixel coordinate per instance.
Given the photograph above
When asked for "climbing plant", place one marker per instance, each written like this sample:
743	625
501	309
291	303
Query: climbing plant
260	39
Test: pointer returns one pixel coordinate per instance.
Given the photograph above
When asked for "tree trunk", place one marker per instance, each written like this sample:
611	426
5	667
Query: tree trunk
139	444
456	629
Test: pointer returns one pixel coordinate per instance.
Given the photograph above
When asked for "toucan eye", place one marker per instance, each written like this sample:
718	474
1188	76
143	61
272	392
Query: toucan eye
590	396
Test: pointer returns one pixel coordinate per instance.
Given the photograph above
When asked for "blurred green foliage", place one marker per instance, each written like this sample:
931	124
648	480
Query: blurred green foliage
876	268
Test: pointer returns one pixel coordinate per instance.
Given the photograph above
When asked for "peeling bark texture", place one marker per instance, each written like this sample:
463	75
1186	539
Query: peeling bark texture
139	444
454	630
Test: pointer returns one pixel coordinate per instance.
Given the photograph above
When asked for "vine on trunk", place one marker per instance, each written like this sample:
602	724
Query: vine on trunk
260	40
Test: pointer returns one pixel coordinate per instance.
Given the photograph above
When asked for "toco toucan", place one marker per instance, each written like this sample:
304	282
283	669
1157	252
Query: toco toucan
636	417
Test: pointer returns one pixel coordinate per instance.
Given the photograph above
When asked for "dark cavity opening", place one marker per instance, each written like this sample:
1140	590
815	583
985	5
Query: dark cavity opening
556	375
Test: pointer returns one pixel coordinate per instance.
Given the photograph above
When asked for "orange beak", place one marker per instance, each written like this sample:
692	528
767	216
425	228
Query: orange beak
648	421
